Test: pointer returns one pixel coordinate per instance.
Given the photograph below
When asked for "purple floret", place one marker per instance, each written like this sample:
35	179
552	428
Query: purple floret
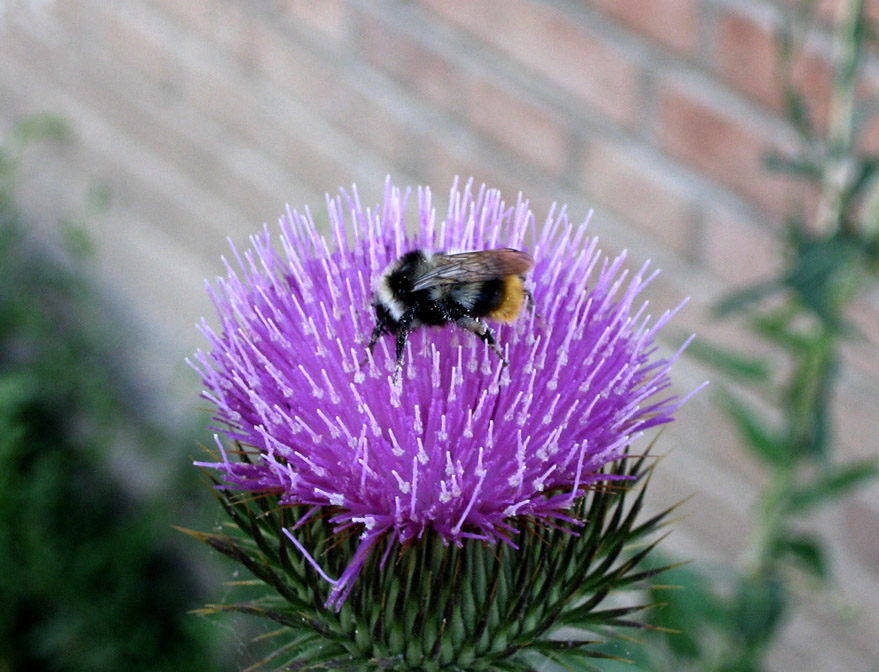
459	443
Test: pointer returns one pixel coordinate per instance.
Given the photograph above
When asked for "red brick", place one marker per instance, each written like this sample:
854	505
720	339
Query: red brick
425	71
364	114
369	121
748	58
511	120
861	351
331	18
234	31
190	13
634	188
440	158
287	66
854	414
674	23
226	27
123	36
726	144
862	532
138	46
737	249
868	140
577	59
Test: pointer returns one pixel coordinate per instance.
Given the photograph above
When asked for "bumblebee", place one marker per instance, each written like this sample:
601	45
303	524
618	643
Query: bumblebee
431	288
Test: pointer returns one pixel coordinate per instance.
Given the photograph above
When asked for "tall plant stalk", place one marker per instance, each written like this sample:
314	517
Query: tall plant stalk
728	620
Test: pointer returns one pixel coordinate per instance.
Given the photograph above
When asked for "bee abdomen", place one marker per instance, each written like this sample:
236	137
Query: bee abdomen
509	305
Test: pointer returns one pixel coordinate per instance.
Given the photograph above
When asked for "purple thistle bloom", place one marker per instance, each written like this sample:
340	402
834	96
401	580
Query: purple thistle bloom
459	443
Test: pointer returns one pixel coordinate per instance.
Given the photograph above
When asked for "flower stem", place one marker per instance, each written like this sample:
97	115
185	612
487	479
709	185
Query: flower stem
848	49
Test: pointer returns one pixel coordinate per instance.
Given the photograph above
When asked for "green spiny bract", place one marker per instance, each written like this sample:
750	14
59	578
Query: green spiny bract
429	606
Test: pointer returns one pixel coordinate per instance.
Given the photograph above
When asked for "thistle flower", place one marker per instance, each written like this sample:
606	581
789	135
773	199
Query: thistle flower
457	452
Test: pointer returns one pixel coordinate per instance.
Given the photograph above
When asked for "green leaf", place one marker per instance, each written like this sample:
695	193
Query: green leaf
739	300
808	398
37	127
7	164
797	108
801	167
736	365
833	484
822	272
692	608
759	607
807	552
766	444
867	167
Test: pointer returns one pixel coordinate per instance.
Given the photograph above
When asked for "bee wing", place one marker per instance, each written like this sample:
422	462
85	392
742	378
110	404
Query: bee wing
475	267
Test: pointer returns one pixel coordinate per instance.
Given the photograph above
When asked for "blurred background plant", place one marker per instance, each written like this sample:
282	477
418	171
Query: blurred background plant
726	618
90	578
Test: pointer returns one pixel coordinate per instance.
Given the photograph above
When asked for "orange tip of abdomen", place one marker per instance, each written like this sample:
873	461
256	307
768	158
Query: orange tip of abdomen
511	305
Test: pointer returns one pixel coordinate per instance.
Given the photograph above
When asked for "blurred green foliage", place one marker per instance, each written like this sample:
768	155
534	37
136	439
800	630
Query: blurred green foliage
89	577
727	618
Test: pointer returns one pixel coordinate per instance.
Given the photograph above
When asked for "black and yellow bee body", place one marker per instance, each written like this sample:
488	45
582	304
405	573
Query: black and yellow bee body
434	289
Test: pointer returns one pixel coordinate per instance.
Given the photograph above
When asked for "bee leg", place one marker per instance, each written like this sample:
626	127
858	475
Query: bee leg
404	328
529	299
532	306
482	330
376	333
380	324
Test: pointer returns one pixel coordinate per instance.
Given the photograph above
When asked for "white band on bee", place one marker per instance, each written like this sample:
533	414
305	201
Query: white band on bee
385	297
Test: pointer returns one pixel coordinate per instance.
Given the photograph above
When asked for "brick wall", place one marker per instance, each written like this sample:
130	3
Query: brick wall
205	117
